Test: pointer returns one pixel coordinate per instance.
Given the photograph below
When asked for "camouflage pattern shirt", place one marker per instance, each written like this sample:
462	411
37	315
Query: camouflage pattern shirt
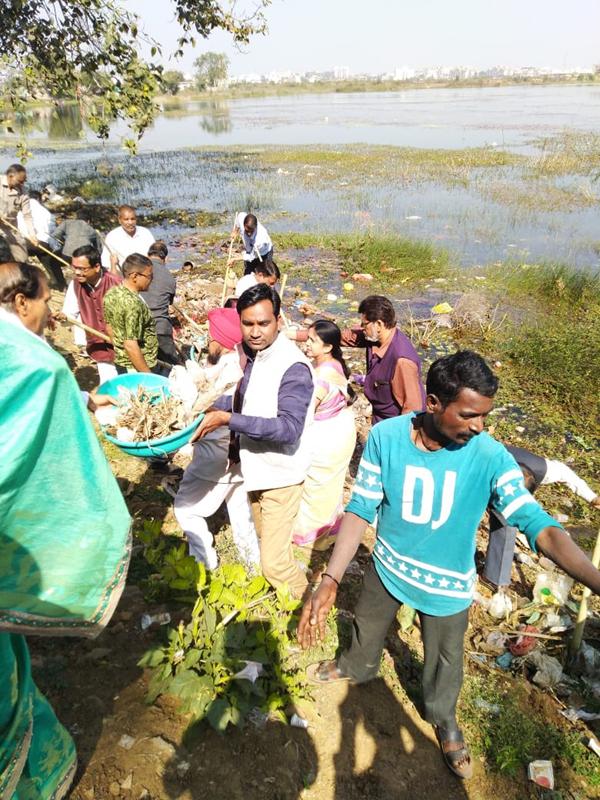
129	318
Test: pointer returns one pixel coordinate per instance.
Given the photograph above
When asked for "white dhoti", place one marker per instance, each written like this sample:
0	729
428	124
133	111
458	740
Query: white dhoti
206	484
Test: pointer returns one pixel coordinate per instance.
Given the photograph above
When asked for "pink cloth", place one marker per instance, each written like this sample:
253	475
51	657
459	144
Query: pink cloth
224	327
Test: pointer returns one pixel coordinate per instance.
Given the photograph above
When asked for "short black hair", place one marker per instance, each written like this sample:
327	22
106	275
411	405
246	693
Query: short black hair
158	249
135	263
35	195
256	294
462	370
83	213
87	251
252	219
5	253
375	307
268	267
16	169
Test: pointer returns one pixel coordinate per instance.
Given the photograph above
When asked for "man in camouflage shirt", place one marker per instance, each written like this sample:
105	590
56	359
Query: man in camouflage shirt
129	321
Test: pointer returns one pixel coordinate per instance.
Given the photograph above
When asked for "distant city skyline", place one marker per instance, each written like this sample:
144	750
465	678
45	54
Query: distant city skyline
322	34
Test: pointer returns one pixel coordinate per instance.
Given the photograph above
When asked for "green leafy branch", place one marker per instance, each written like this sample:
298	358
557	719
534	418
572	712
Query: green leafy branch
237	622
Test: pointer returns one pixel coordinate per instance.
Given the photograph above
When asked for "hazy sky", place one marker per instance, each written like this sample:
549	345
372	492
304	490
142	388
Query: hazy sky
378	35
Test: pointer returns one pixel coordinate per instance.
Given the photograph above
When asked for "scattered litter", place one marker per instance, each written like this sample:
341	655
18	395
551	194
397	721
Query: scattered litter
504	661
413	216
348	287
562	518
552	588
442	308
298	722
257	717
163	747
182	768
154	619
542	773
332	298
482	601
250	672
500	605
573	714
549	669
524	644
525	558
492	708
593	745
588	659
496	642
126	742
406	617
362	277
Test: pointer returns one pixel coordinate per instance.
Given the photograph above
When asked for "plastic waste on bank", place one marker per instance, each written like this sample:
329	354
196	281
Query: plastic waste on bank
154	619
542	773
298	722
549	669
442	308
496	642
552	588
593	745
500	605
588	658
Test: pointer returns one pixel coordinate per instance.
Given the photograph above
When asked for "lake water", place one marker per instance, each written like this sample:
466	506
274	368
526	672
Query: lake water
468	220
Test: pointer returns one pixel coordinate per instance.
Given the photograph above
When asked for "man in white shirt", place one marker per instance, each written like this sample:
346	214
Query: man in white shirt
257	242
125	240
44	226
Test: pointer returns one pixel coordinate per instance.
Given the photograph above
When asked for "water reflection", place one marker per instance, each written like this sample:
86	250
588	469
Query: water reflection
62	122
216	118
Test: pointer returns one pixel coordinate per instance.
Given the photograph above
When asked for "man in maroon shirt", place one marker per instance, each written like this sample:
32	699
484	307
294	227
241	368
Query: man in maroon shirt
393	383
83	300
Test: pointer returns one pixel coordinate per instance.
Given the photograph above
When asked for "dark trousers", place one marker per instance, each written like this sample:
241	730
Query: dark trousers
250	266
442	641
167	350
51	265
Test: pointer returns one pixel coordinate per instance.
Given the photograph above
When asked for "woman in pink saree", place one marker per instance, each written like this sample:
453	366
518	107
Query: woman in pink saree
333	438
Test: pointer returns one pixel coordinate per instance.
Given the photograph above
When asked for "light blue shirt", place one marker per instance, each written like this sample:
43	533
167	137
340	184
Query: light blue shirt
428	507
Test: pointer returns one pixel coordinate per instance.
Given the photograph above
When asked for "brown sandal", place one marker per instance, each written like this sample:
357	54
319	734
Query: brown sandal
453	758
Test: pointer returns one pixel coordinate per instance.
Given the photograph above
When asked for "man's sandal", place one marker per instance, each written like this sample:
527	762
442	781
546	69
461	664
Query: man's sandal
458	761
326	672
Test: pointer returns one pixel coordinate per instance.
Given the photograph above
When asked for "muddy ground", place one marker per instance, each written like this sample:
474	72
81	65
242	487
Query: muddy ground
362	742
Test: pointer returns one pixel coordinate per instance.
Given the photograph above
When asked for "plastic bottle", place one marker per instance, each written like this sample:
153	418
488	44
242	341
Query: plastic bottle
154	619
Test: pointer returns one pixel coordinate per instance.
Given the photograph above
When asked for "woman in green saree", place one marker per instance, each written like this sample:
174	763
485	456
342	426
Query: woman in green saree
64	534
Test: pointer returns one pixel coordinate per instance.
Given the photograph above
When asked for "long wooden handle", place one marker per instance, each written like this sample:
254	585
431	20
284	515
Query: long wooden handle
188	318
39	244
87	329
575	643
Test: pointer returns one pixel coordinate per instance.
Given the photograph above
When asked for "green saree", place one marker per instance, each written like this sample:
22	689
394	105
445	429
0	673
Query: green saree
64	550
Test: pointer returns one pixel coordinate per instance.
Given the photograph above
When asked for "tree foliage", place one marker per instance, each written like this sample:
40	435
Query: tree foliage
211	69
171	80
89	51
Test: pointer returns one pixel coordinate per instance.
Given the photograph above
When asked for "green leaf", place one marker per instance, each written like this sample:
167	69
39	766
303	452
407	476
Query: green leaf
214	592
221	713
192	658
152	658
256	587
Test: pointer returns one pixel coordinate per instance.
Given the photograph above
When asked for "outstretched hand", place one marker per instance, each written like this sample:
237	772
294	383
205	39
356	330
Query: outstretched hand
212	420
311	628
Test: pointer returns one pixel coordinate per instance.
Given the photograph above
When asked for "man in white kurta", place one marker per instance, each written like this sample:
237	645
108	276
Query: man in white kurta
125	240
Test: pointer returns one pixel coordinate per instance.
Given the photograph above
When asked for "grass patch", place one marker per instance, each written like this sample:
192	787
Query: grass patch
543	196
571	153
503	730
391	260
354	165
553	339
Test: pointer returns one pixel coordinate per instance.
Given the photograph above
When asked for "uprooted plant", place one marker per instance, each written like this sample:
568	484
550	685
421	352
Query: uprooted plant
233	656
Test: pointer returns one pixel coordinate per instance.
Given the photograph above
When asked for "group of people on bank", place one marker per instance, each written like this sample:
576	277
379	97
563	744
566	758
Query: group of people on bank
276	450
